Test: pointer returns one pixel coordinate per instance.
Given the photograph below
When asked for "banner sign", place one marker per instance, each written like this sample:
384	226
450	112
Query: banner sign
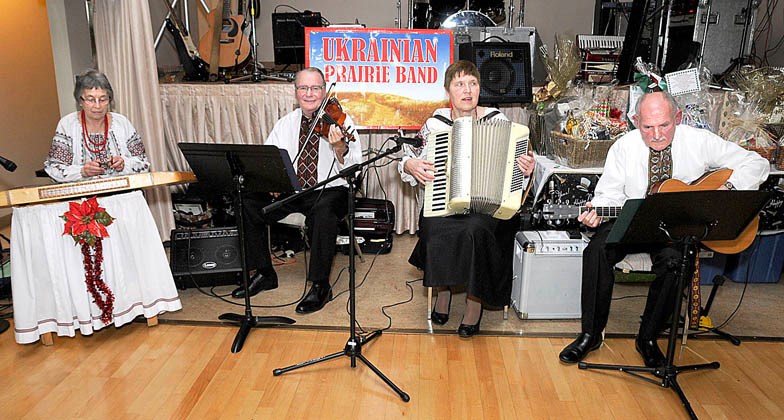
384	78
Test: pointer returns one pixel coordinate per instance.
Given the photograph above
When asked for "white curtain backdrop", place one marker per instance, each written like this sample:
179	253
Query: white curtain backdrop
125	53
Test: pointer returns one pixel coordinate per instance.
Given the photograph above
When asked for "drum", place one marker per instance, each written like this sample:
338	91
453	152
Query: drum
467	18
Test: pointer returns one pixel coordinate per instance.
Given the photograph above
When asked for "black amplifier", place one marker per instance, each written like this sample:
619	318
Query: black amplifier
214	251
374	220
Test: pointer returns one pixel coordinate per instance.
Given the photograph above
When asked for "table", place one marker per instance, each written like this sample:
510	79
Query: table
47	274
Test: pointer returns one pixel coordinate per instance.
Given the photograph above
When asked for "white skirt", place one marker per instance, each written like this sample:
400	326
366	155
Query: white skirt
47	272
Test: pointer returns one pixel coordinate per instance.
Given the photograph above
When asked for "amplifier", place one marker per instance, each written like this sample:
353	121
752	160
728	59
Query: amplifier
205	251
374	222
547	275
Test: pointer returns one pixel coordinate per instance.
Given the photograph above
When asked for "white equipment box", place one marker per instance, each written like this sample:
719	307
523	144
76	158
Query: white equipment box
547	275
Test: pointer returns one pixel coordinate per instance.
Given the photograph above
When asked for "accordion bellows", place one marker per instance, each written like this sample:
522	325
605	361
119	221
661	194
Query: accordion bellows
475	169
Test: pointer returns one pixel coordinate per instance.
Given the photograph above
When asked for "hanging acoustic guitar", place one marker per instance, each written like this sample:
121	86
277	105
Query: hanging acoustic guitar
227	46
710	181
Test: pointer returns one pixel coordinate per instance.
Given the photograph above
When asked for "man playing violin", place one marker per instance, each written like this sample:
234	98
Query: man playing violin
315	158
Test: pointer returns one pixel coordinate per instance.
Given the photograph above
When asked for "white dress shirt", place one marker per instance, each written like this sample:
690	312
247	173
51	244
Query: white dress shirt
285	135
694	152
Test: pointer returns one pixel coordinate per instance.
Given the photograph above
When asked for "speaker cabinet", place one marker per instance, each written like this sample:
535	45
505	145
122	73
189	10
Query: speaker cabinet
195	252
288	35
505	70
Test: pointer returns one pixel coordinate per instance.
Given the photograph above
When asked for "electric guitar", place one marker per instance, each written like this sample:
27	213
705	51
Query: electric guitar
710	181
195	68
233	46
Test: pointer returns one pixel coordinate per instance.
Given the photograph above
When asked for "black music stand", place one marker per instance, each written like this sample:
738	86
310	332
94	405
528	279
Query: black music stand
683	218
238	168
353	347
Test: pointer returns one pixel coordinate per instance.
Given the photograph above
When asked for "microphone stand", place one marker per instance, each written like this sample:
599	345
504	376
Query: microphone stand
256	75
353	347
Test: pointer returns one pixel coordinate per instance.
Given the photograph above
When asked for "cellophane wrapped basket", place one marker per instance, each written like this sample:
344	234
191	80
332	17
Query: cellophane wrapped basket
579	153
777	130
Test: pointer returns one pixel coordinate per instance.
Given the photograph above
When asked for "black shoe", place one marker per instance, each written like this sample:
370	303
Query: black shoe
468	331
650	352
584	344
318	296
256	284
438	317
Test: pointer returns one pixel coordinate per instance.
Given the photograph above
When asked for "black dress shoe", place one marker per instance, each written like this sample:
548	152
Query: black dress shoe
650	352
468	331
579	348
256	284
318	296
438	317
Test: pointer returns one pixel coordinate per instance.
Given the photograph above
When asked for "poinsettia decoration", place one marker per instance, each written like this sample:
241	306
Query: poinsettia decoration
86	223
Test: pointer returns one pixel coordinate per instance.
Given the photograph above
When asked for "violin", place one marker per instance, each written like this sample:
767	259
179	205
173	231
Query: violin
333	114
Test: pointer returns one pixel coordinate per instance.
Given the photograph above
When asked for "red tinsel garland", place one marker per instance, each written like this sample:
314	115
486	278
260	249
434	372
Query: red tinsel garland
86	223
93	268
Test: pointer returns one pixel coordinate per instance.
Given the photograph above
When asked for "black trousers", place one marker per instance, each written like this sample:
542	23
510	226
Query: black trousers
599	258
323	211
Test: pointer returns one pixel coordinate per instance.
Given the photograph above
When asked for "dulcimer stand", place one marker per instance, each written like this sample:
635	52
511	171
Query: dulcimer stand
675	218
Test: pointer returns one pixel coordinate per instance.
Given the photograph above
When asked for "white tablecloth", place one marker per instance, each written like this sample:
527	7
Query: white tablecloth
47	273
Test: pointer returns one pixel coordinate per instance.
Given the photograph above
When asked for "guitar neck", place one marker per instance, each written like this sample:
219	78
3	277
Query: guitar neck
608	212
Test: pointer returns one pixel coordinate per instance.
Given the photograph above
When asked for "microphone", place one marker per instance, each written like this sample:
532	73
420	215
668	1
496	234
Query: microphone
9	165
413	141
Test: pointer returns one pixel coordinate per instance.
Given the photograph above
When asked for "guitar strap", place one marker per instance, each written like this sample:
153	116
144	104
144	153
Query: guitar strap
695	303
217	26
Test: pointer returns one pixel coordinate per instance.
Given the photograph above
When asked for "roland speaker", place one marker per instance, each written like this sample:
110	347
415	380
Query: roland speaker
505	70
195	252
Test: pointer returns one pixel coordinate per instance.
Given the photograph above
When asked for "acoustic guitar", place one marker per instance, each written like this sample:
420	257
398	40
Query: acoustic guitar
231	44
710	181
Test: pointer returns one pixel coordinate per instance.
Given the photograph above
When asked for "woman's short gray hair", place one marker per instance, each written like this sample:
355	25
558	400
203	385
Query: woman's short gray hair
92	79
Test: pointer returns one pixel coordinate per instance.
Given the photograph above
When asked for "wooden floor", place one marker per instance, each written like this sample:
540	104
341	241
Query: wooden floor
181	371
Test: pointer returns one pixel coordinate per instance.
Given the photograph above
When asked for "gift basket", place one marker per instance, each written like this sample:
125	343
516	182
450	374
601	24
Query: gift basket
585	137
752	114
580	122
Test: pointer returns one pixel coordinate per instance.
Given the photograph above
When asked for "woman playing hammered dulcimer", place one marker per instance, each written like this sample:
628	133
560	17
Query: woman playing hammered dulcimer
94	142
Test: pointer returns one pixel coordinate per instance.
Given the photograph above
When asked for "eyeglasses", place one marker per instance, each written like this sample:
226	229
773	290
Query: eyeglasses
314	89
98	101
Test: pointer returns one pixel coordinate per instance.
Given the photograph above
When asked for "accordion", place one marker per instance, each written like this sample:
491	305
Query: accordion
475	169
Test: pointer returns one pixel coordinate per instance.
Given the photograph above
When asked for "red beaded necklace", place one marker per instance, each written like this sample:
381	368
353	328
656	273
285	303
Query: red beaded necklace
95	146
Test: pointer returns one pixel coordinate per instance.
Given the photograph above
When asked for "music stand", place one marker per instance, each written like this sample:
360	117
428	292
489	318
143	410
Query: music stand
353	347
238	168
683	218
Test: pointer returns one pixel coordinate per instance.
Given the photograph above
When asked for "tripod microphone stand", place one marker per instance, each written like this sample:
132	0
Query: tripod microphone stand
674	218
256	75
353	347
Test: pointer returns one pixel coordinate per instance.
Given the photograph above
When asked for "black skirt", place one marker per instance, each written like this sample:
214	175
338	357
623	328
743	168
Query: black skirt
474	250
